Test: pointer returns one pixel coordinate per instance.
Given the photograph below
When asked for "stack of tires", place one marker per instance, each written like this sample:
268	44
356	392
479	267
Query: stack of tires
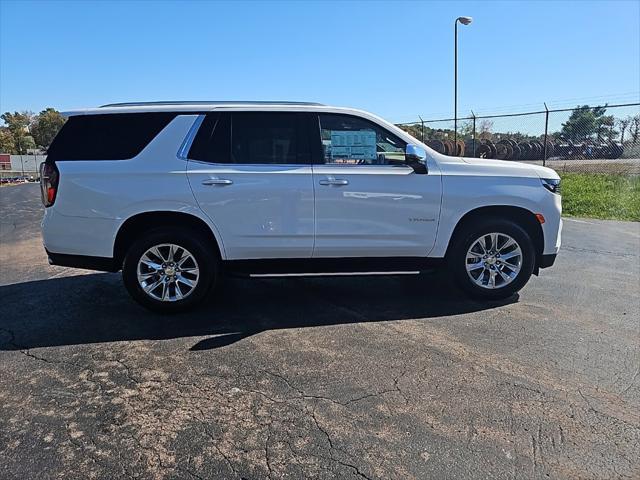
509	149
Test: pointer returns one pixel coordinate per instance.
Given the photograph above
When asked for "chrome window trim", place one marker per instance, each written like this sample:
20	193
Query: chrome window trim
220	165
361	165
285	165
183	151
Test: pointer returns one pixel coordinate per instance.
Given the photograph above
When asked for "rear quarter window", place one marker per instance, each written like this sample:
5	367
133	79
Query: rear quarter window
119	136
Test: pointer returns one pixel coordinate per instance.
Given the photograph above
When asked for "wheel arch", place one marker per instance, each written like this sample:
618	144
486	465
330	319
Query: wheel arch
133	226
519	215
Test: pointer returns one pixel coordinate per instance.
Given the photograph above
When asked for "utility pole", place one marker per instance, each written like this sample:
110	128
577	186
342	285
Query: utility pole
463	21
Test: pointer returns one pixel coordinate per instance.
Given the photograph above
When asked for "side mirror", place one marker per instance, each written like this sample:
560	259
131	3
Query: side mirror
414	153
415	157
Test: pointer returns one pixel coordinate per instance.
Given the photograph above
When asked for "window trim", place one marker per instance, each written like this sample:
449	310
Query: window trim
183	151
237	165
321	157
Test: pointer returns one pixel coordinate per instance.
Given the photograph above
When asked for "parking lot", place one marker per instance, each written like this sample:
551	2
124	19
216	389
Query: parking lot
363	377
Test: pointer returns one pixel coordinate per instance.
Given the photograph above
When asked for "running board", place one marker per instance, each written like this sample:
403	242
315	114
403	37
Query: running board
329	274
332	266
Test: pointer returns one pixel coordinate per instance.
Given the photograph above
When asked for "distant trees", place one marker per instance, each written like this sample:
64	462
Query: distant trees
23	131
634	128
415	130
7	143
586	122
17	125
465	130
484	129
623	123
45	126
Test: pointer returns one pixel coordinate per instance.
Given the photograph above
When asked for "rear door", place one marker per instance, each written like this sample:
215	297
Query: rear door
369	202
251	174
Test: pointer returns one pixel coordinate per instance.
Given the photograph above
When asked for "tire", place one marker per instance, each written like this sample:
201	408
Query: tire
173	293
469	266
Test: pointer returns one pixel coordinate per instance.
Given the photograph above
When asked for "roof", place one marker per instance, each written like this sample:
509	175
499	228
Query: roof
207	102
190	106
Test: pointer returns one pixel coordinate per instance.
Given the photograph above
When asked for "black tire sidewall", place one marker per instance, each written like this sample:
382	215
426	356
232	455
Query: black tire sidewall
469	234
194	243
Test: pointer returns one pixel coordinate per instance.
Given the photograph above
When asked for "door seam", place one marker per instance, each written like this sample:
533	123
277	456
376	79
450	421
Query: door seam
315	227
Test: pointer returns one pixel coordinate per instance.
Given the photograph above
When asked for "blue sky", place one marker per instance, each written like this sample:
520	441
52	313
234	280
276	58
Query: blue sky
391	58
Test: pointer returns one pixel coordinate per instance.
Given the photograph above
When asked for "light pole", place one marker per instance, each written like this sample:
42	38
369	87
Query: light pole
464	21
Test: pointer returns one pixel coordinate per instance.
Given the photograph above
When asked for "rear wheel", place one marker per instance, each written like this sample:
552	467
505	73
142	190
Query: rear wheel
170	270
492	259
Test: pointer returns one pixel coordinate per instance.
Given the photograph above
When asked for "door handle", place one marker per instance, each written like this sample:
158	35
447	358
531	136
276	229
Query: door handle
334	181
217	181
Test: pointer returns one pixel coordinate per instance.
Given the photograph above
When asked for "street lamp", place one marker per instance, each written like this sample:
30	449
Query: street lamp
464	21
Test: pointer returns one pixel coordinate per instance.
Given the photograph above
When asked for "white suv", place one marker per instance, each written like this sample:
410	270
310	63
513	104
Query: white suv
175	194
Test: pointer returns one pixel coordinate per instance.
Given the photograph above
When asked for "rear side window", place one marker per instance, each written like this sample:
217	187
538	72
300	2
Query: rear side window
253	138
212	143
264	138
117	136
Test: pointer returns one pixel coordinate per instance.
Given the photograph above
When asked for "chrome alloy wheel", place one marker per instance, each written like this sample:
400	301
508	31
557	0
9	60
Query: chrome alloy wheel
168	272
494	260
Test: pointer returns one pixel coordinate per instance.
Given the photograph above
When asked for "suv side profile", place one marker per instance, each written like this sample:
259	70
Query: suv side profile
176	194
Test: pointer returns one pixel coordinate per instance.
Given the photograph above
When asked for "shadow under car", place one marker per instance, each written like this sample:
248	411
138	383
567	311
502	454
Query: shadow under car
95	308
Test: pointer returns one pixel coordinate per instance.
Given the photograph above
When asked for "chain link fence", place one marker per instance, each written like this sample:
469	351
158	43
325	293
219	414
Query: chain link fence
604	139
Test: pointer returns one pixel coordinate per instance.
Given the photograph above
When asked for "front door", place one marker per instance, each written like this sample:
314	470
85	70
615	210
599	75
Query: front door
369	203
251	174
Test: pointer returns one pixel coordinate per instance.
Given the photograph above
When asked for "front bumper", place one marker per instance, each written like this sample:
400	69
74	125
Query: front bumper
547	261
552	228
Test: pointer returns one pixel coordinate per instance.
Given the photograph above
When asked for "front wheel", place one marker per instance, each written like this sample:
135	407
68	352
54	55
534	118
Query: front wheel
169	270
492	259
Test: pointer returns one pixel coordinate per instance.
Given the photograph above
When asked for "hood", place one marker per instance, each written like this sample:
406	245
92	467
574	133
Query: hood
506	167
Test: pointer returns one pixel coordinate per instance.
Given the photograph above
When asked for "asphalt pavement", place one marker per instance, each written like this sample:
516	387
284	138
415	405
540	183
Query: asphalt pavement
346	377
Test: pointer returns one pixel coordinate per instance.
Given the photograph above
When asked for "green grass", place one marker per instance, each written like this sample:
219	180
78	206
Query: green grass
606	196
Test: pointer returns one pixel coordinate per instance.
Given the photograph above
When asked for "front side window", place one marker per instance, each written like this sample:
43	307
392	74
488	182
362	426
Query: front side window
351	140
252	138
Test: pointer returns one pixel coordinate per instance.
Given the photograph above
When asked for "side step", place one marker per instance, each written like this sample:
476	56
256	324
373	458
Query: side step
332	266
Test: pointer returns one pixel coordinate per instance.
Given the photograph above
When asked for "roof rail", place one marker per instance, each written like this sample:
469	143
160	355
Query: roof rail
243	102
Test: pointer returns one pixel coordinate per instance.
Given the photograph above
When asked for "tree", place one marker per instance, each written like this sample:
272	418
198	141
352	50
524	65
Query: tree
415	130
634	128
24	144
465	129
46	126
17	124
485	128
7	145
584	122
623	123
605	129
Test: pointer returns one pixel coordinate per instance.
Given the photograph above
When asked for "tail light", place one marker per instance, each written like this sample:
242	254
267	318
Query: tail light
49	177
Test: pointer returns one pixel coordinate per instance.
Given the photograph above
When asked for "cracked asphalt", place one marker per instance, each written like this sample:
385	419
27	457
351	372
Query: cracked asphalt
348	377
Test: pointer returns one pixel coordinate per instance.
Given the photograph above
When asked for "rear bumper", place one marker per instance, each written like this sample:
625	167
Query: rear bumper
102	264
71	235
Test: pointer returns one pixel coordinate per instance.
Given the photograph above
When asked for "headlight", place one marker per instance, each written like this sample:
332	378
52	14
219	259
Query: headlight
551	184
